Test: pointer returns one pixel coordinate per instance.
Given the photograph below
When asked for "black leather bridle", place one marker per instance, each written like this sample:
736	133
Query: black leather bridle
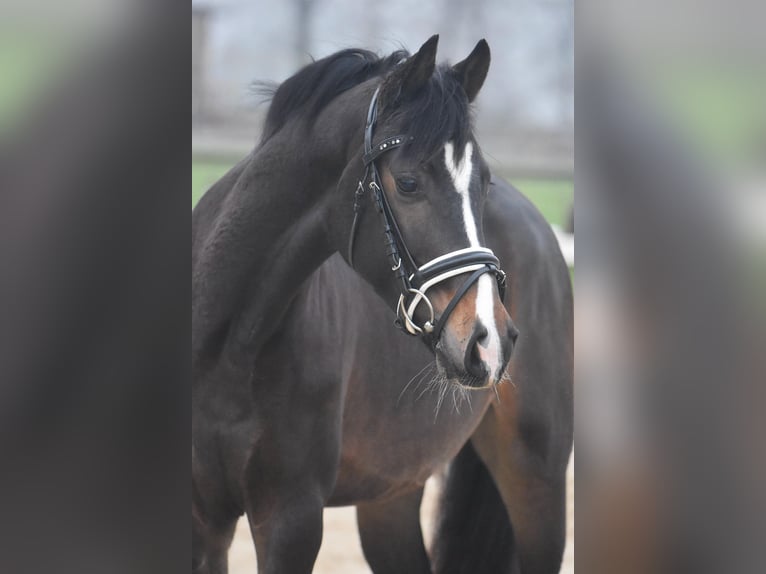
414	280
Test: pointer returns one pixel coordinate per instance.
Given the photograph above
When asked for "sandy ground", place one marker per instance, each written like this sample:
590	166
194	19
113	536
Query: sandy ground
341	552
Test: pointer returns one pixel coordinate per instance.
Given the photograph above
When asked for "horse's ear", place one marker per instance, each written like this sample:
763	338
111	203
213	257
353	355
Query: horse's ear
472	71
412	74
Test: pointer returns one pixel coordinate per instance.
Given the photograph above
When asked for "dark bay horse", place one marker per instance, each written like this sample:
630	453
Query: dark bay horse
304	393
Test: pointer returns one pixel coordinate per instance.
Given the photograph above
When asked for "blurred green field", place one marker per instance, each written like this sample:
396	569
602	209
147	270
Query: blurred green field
205	174
28	65
720	109
553	197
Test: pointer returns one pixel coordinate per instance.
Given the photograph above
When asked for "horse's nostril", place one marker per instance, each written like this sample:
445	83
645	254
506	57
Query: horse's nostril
474	364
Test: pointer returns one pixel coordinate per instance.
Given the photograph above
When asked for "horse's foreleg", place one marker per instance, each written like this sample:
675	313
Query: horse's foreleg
288	542
286	521
391	536
210	548
532	483
289	477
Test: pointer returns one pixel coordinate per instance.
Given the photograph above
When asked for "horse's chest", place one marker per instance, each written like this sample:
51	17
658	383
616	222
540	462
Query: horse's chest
393	441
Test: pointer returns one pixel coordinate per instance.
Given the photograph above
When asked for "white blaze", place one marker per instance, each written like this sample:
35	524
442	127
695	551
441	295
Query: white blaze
461	177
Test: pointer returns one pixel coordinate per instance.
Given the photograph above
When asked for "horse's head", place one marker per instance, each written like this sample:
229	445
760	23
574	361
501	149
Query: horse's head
429	182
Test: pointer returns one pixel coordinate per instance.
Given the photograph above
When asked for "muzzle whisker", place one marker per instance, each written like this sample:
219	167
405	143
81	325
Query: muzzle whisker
455	395
462	395
440	401
430	386
506	378
421	374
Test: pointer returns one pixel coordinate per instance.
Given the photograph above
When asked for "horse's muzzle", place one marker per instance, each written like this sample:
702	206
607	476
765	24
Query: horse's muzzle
479	358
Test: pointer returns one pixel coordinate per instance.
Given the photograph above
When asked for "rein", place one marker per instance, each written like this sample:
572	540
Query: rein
415	281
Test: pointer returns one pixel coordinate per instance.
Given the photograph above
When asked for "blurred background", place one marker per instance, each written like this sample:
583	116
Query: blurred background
671	286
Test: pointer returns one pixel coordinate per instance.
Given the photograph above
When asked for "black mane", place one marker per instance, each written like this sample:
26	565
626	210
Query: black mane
318	83
439	113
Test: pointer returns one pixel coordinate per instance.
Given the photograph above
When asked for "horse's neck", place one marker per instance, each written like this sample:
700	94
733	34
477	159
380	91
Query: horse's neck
270	234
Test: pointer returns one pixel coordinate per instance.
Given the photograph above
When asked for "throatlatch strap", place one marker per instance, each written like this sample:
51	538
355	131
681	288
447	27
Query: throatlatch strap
395	244
398	247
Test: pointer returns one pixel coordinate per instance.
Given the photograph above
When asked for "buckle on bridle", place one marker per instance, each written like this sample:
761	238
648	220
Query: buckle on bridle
358	194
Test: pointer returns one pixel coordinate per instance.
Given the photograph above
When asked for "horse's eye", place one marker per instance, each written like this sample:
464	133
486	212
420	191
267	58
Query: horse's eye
407	184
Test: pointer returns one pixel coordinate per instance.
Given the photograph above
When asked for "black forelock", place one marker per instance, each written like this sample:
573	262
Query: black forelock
437	113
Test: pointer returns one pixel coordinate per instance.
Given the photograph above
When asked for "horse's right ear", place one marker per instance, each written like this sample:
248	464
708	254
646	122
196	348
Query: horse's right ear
472	71
412	74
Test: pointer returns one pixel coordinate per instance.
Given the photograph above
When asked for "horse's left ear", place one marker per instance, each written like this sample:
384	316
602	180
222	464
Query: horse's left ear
472	71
